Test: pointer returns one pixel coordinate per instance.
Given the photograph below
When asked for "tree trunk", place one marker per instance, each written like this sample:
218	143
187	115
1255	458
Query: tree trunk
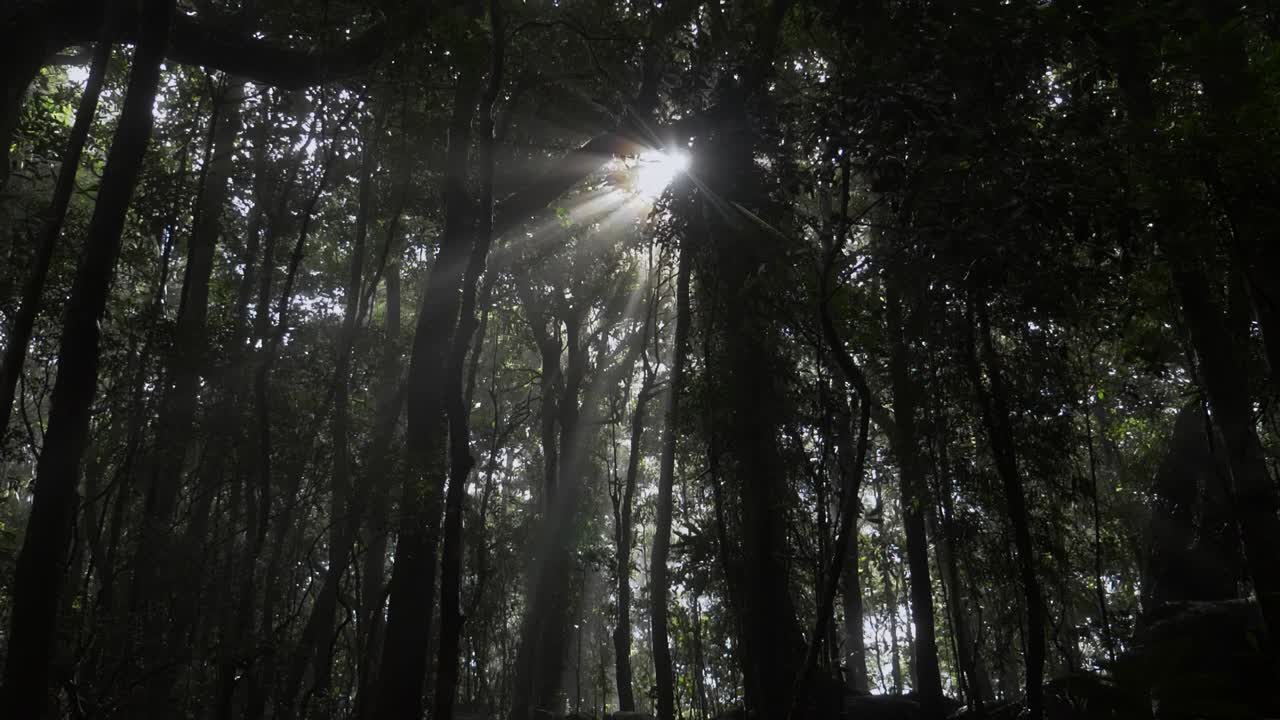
891	606
968	652
622	535
914	501
311	650
658	582
1243	178
156	574
751	398
1254	491
37	578
459	405
19	337
380	471
412	591
994	404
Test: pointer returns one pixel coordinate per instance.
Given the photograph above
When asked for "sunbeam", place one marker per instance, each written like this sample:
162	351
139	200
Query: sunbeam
657	169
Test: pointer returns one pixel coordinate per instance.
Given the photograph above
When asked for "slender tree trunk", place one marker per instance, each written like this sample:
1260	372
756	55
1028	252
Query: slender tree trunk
994	404
1099	588
1227	86
852	466
380	469
430	386
968	653
751	397
311	651
265	671
458	408
891	605
914	500
855	655
37	578
1255	496
1245	180
622	535
658	582
157	574
19	337
26	41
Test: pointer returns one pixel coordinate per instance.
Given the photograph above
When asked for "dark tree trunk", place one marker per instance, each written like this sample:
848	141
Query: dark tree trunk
959	596
852	465
312	649
1255	496
37	577
459	403
19	337
855	656
380	471
994	404
658	582
914	499
890	599
157	574
1224	70
27	38
430	387
751	398
1244	179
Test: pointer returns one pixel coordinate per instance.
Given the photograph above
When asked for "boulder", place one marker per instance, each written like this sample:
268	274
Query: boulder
630	715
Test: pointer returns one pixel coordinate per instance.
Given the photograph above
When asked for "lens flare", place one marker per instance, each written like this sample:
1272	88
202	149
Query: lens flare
657	169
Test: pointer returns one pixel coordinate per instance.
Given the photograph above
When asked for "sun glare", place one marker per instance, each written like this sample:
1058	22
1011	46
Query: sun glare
657	169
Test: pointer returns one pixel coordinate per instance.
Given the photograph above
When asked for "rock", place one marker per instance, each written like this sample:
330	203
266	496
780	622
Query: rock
1088	696
471	711
992	711
1207	660
883	707
630	715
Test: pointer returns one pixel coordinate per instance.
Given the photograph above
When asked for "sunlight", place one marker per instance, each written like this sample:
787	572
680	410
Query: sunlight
657	169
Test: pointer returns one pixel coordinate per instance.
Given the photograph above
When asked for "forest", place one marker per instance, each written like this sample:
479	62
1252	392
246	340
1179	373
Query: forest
640	359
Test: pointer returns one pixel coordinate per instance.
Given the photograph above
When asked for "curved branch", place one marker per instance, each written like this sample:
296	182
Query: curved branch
221	43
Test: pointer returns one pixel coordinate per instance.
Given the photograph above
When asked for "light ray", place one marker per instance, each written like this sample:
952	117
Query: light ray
657	169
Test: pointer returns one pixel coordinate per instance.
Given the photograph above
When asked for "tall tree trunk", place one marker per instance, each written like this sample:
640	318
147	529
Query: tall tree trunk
1255	496
968	652
311	651
852	465
891	606
430	385
458	410
380	470
855	655
156	574
914	500
37	578
752	402
1099	588
994	404
1225	73
622	537
19	337
264	672
1245	172
27	38
659	585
